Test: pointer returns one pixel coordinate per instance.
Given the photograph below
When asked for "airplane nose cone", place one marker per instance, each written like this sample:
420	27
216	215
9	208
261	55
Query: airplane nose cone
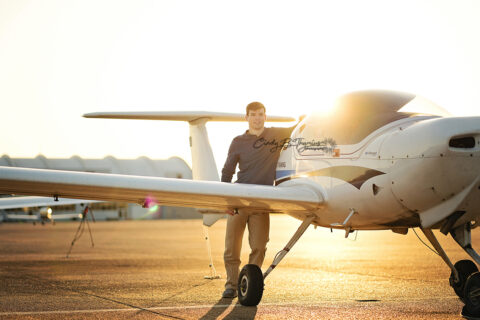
433	160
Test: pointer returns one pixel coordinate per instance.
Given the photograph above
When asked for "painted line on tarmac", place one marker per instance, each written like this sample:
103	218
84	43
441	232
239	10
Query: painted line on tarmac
123	310
26	313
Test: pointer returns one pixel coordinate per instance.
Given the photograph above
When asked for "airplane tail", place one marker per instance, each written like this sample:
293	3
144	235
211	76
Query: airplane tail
203	162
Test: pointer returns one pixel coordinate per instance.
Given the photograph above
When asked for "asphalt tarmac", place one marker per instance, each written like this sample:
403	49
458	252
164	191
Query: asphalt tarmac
155	270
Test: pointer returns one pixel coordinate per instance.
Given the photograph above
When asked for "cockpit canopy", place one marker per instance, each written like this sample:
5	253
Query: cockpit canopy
358	114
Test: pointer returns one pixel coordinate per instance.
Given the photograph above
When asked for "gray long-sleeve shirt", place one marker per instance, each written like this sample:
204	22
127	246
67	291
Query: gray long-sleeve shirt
256	156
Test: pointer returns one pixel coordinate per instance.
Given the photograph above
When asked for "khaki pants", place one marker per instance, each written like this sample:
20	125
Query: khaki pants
258	229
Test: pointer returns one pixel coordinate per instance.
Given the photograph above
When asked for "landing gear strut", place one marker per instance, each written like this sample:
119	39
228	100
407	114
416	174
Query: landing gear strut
251	279
465	278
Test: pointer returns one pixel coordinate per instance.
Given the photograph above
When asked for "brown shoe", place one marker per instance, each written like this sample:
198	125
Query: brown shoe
229	294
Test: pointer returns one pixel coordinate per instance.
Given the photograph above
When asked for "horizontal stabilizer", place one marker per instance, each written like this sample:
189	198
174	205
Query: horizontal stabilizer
180	116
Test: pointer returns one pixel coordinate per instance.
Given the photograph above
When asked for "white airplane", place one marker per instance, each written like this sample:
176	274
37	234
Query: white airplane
380	161
44	212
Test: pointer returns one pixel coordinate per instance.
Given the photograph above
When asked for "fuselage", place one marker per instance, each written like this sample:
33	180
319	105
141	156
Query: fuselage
394	169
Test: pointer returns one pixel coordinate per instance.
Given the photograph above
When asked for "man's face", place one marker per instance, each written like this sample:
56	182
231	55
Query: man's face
256	119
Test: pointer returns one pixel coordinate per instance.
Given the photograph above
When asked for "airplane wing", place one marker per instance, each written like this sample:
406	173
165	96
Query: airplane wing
27	202
290	196
66	216
24	217
35	217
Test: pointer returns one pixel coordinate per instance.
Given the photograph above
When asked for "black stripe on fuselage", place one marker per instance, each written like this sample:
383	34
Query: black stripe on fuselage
354	175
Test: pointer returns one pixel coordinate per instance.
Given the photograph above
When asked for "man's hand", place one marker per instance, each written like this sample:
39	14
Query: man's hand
232	212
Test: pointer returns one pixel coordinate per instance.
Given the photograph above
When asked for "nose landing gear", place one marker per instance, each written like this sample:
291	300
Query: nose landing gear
470	294
472	297
465	277
465	268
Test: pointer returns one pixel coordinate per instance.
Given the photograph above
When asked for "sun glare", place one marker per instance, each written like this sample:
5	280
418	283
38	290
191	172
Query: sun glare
296	68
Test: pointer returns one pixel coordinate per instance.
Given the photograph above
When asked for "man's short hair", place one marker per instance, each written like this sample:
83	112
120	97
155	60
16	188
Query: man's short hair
253	106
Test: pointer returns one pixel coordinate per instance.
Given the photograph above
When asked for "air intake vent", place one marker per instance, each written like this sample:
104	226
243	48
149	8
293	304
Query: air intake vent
464	143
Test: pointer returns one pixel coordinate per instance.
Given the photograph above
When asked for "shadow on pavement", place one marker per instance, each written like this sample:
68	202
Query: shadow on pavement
238	311
217	309
242	312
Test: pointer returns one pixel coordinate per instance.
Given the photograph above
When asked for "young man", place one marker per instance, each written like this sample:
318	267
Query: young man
256	152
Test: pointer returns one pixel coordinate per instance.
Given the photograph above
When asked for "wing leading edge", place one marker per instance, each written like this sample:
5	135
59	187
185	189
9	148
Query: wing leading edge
293	197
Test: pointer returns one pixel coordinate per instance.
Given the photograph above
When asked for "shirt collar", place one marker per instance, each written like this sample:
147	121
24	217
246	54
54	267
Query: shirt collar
247	134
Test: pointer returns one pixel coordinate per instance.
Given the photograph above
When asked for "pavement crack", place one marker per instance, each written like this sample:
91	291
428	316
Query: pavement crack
127	304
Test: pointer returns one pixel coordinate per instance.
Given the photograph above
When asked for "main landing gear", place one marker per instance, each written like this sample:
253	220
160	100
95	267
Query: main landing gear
465	278
251	279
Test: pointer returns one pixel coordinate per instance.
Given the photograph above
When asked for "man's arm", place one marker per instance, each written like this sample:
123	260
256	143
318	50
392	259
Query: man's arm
230	164
287	132
284	133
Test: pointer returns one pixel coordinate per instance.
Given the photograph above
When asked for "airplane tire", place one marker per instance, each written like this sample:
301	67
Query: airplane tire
472	295
250	285
465	268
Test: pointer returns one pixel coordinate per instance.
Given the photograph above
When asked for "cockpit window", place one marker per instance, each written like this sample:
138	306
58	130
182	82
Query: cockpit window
369	102
358	114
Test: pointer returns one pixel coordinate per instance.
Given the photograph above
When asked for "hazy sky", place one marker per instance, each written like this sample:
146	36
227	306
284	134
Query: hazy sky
61	59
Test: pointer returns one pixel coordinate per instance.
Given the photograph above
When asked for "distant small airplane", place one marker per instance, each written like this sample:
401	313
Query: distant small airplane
380	160
44	213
